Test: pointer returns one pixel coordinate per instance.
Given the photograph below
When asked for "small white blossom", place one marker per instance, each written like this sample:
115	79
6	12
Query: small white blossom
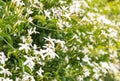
3	58
18	2
29	11
49	39
85	50
29	62
66	59
102	52
57	12
5	71
67	24
67	15
60	24
51	53
32	30
5	79
1	7
34	47
41	53
112	32
104	70
78	58
79	78
86	73
40	71
113	68
62	43
105	65
86	59
23	38
30	19
47	13
96	76
25	47
103	20
27	77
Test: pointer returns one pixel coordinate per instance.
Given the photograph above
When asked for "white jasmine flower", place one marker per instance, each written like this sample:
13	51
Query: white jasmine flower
1	7
18	2
78	58
29	11
104	70
86	59
104	65
114	54
36	1
17	79
49	39
75	7
5	71
41	53
79	78
5	79
62	43
57	13
23	38
29	62
67	15
51	53
32	30
103	20
47	13
90	46
86	72
85	50
27	77
68	66
72	9
25	47
83	3
62	2
102	52
91	16
40	71
67	24
85	19
112	32
65	49
104	33
66	59
100	79
60	24
34	47
96	70
3	58
30	19
96	76
41	63
113	68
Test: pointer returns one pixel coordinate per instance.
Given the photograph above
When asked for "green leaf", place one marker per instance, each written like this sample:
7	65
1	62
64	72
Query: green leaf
41	18
27	69
7	37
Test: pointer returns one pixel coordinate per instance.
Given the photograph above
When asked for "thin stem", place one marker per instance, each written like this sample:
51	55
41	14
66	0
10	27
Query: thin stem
7	43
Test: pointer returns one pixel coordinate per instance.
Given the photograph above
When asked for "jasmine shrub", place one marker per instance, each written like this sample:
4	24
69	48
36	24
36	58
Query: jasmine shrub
58	40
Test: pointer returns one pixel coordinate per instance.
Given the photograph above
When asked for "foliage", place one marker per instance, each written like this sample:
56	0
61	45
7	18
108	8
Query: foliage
59	40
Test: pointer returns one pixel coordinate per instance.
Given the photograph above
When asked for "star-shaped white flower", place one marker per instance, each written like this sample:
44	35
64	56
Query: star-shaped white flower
2	58
25	47
29	62
5	71
40	71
